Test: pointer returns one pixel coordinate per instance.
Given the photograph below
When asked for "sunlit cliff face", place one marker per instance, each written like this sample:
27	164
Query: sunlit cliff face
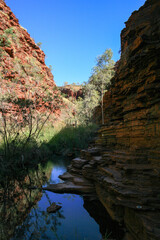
24	75
131	134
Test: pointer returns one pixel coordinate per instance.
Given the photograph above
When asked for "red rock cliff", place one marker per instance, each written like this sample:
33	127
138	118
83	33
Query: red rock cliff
23	73
129	176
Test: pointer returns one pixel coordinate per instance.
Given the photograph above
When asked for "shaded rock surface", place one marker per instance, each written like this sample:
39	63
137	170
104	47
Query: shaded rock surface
127	179
107	226
124	164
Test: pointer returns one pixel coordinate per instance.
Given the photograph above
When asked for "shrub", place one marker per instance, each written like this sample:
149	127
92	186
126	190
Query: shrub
72	139
4	38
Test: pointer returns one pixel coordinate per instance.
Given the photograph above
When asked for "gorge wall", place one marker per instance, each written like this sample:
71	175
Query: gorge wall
130	138
123	165
23	73
128	175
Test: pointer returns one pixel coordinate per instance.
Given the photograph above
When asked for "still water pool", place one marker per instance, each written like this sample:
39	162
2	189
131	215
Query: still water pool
71	222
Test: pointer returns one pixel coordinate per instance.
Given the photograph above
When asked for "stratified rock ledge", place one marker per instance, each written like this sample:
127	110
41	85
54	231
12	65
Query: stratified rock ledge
70	187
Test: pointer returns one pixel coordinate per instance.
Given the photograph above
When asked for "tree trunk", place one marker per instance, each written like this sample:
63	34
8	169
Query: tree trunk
102	103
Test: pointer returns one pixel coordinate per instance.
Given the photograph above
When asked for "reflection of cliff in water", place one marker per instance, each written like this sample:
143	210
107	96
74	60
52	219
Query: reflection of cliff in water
37	223
100	215
23	212
17	198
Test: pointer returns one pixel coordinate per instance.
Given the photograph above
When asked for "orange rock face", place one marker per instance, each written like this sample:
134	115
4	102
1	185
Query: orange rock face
23	73
129	178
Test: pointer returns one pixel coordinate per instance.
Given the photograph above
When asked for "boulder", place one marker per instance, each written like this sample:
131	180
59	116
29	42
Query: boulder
53	208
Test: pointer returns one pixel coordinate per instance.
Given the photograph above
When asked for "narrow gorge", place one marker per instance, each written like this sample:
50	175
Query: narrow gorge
123	165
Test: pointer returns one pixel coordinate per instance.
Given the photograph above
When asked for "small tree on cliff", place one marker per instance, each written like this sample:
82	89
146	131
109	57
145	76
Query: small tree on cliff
102	74
95	88
39	44
85	107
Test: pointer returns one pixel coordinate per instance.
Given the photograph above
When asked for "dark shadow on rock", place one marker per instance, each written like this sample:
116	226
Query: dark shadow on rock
97	211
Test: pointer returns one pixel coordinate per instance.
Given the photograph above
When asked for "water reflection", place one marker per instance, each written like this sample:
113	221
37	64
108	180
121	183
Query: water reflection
38	224
17	198
23	214
106	225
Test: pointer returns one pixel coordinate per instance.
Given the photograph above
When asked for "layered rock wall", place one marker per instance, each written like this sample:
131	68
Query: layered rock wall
128	176
23	73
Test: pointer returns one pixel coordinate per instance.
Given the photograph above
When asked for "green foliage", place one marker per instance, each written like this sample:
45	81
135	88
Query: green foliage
19	131
64	95
4	38
9	31
50	68
1	53
72	139
103	71
85	107
94	89
39	44
4	42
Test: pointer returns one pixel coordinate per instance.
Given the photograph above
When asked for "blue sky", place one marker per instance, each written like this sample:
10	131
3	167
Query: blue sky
74	32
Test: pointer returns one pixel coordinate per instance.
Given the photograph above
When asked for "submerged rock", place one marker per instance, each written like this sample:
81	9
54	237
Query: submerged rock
53	208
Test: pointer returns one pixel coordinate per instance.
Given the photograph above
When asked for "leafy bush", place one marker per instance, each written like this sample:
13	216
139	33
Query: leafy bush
39	44
4	38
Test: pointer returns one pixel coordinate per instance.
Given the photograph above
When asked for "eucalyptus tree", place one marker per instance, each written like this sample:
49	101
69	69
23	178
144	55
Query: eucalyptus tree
102	74
85	107
97	85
